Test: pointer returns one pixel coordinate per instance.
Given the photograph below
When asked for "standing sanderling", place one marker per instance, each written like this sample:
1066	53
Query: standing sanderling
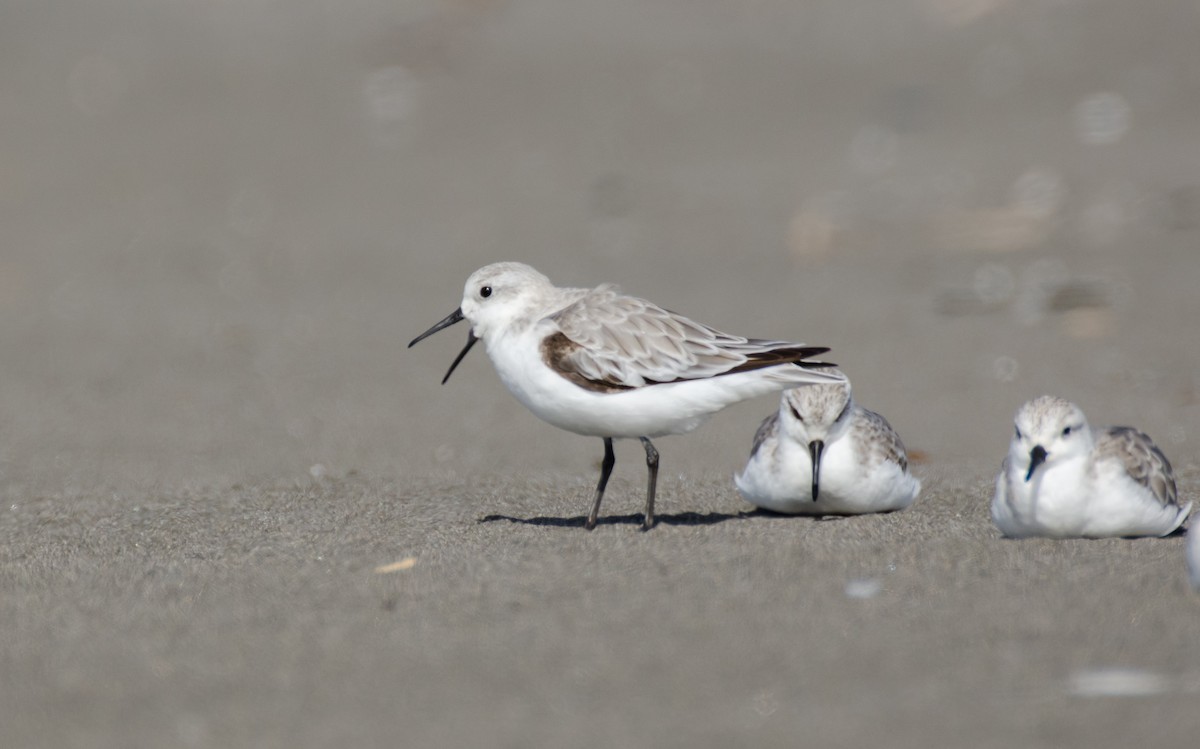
823	454
1065	480
601	364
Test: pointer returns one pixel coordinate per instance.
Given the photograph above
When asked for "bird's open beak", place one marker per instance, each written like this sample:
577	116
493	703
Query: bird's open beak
815	448
1037	456
453	317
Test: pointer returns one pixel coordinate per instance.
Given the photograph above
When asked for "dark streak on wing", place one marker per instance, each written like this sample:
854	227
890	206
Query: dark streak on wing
788	355
1142	459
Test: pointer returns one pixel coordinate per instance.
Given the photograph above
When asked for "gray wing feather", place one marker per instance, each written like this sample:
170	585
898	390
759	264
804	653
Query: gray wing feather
882	436
633	342
766	431
1142	459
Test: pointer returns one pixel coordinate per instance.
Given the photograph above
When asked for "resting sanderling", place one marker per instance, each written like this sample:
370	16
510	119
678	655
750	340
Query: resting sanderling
601	364
1065	480
823	454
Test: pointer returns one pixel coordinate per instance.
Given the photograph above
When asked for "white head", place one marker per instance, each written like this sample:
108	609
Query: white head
814	415
1049	430
495	296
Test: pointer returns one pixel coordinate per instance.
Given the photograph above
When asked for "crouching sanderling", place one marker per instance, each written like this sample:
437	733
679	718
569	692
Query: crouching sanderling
823	454
1064	479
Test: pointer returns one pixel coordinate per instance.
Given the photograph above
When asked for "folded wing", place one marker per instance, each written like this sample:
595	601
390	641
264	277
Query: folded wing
619	342
882	438
1142	459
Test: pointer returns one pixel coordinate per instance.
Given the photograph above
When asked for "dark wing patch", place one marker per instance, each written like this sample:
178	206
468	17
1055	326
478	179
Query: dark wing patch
556	352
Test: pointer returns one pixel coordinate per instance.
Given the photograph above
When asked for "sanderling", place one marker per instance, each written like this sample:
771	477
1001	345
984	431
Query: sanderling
1065	480
601	364
1193	558
823	454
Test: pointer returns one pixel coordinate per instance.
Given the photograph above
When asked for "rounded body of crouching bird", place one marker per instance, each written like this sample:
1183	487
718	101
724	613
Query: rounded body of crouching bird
1063	479
599	363
1193	559
823	454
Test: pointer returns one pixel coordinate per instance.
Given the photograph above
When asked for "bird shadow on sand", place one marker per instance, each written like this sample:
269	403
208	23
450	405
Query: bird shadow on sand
678	518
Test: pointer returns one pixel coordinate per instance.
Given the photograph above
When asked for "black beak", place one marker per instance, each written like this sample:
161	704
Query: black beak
453	317
1037	456
815	448
450	319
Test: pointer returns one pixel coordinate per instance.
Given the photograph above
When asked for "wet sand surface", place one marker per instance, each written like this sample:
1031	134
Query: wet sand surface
236	511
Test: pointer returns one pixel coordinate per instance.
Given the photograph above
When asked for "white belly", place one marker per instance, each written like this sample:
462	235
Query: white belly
651	411
779	478
1067	502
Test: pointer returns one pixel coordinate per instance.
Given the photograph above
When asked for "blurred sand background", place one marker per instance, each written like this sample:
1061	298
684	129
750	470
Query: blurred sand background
223	221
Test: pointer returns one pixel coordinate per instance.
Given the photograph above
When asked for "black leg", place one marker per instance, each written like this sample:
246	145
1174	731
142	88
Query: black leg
652	468
605	470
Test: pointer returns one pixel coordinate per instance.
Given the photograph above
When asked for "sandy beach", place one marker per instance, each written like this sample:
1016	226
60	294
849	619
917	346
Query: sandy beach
236	511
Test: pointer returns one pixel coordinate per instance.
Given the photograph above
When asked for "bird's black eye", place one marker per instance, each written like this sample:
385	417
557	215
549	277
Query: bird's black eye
1018	432
485	291
1067	431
